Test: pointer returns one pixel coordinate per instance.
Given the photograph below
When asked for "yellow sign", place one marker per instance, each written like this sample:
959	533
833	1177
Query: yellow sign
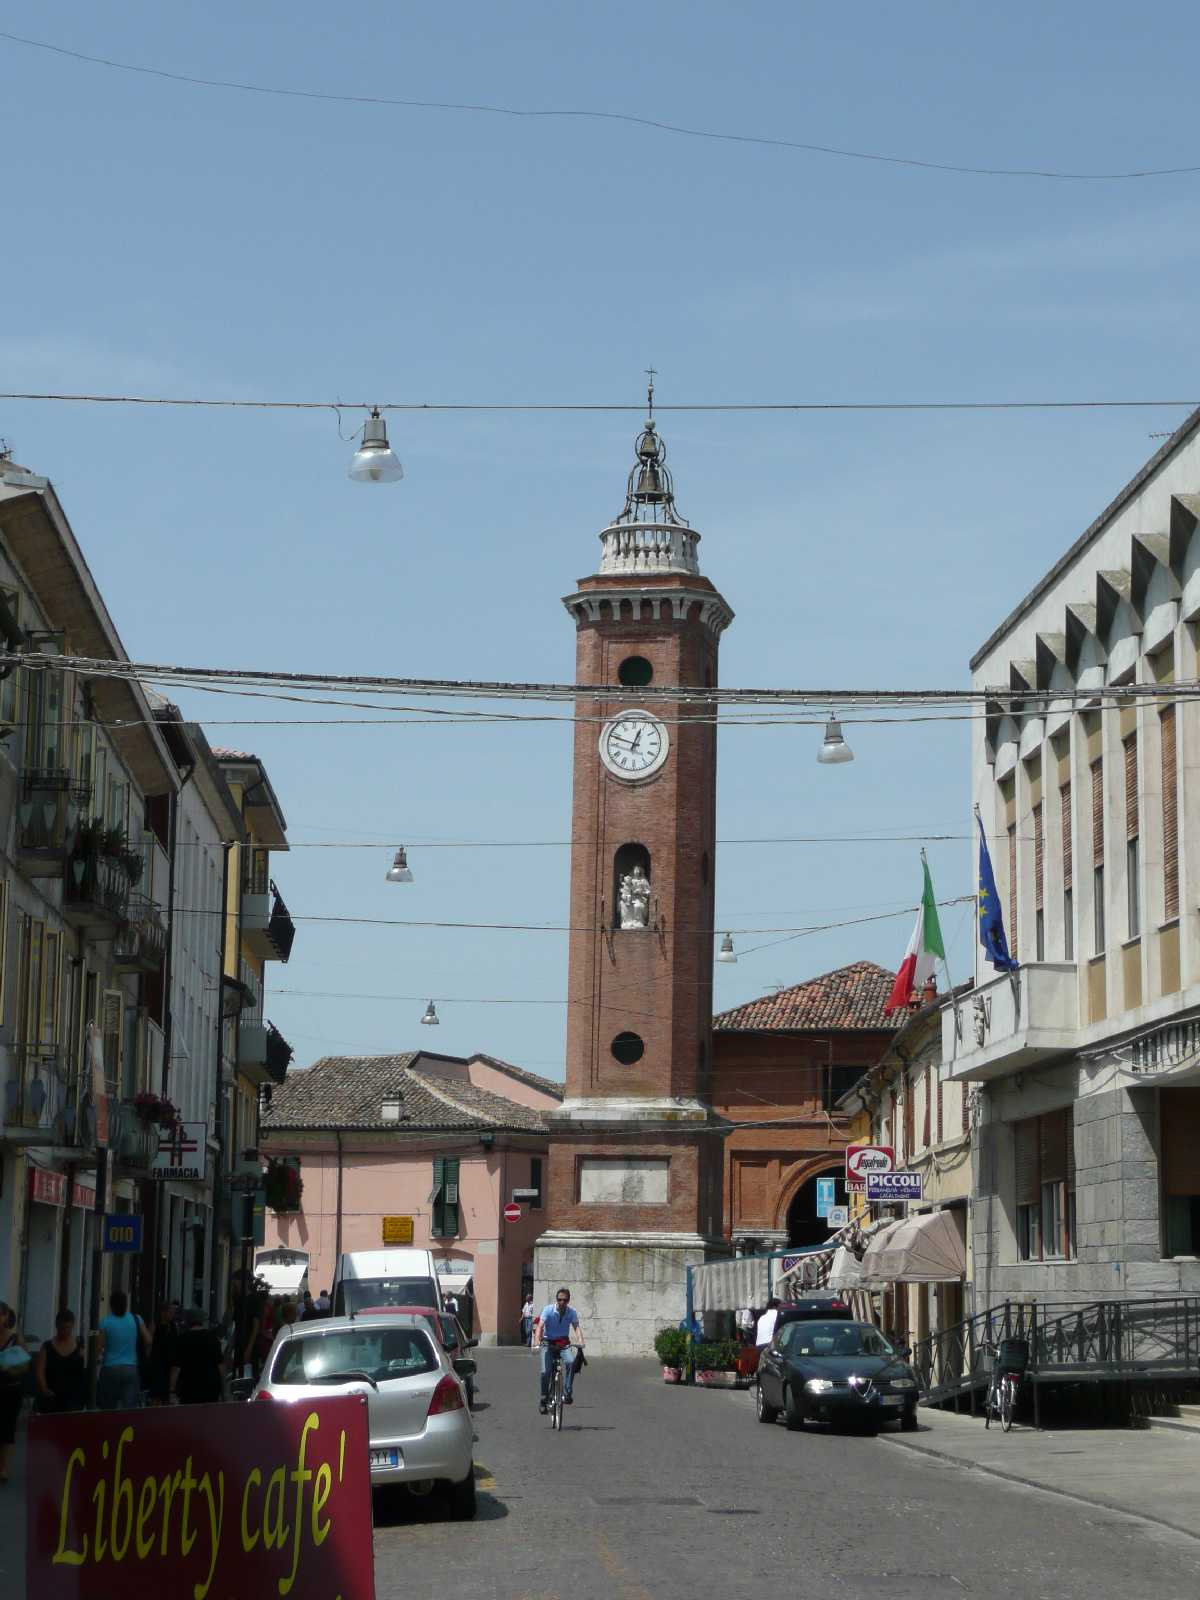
397	1230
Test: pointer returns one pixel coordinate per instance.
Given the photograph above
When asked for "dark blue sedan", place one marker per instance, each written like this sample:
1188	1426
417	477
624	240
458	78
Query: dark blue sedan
843	1373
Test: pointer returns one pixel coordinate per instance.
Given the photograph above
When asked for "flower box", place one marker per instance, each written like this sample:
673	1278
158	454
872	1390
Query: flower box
709	1379
672	1375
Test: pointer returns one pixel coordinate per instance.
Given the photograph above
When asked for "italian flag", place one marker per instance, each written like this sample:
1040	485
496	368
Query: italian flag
924	948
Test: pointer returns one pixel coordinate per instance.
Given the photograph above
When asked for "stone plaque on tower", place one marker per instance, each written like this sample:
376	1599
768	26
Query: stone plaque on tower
635	1150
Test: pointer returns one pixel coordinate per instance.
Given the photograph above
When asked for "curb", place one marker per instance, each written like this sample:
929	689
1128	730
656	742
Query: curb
1043	1488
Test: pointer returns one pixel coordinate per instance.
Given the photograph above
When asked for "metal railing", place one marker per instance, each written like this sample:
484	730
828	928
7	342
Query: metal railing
41	1092
48	809
1099	1339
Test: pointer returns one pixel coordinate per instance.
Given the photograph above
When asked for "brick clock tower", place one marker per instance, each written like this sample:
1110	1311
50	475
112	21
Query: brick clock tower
635	1151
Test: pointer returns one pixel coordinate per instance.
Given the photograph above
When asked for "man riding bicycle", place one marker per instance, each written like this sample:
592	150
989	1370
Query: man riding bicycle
553	1337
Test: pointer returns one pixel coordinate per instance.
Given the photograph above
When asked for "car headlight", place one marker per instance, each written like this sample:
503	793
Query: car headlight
903	1383
818	1385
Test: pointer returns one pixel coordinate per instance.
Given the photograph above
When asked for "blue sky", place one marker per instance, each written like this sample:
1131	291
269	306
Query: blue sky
168	239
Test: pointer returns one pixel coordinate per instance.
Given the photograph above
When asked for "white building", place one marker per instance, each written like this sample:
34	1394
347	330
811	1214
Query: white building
1087	1149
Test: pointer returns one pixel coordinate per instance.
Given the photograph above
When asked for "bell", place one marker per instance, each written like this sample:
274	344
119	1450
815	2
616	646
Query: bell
650	485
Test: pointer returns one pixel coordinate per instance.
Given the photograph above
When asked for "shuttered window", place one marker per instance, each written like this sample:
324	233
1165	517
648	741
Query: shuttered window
445	1197
927	1119
1052	1146
1039	915
1097	770
1179	1119
1133	854
1012	891
1025	1135
1131	786
1064	796
909	1118
1044	1152
1170	818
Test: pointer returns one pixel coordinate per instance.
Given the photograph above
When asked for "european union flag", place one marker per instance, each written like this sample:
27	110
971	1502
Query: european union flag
991	918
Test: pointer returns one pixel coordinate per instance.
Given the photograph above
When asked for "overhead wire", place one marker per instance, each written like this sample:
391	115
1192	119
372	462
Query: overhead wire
656	124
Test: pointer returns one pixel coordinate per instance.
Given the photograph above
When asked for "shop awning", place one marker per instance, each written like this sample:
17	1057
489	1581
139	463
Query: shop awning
730	1285
922	1249
282	1272
845	1271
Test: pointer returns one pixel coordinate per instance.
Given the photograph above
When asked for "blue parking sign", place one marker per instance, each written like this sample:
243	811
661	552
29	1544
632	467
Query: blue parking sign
121	1233
826	1195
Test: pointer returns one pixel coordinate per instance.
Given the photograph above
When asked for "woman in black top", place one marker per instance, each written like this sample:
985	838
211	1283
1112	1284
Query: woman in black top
162	1353
11	1387
59	1369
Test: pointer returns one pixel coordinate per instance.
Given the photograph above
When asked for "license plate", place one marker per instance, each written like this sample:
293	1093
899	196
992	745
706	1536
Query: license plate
385	1458
893	1400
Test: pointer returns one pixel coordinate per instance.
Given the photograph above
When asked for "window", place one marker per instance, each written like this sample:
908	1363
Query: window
909	1118
1170	815
381	1353
51	987
444	1197
9	685
926	1124
628	1048
256	871
1044	1148
1012	890
1068	865
535	1183
1179	1121
1039	919
635	672
1097	774
1133	892
1068	924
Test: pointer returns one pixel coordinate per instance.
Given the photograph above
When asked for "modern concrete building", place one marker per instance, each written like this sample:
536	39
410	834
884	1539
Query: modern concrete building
418	1149
1087	1144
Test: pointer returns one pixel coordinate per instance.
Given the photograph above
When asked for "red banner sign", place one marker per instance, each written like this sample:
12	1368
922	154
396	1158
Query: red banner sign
864	1159
209	1502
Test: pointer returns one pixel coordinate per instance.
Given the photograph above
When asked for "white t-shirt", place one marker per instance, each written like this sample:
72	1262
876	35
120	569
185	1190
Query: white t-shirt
766	1327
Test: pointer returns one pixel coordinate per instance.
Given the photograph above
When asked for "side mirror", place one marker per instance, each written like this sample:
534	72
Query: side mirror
464	1366
471	1343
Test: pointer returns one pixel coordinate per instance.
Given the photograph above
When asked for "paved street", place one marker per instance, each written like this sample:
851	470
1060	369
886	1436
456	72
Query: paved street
653	1492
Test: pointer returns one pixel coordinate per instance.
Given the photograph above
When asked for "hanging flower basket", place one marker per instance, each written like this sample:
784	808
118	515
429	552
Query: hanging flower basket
283	1186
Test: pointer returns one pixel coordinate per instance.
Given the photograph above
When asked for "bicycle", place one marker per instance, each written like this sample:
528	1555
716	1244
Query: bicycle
1009	1361
558	1381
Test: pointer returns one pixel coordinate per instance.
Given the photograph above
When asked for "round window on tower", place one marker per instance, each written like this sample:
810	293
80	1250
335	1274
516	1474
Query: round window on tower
628	1048
635	672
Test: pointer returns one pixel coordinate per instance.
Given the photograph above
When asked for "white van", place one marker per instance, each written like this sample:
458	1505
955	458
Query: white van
368	1278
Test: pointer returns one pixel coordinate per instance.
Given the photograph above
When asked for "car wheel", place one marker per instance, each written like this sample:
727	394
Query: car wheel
763	1410
793	1411
463	1499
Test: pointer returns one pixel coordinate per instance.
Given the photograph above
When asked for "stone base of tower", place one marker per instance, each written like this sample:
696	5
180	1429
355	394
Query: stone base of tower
625	1286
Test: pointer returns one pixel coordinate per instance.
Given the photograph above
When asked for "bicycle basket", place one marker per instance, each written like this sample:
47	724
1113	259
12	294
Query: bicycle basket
1012	1356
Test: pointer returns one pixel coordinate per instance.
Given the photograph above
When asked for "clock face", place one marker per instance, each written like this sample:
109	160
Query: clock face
633	745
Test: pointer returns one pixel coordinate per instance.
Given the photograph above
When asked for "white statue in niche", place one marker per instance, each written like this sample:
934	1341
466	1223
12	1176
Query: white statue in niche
635	899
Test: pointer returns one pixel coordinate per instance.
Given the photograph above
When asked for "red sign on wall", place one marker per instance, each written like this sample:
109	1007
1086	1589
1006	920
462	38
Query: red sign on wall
208	1502
864	1159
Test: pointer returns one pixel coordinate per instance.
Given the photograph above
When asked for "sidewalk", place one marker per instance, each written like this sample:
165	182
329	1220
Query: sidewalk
1144	1472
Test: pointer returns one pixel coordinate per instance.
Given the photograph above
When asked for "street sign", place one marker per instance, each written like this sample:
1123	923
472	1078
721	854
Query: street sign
512	1212
121	1233
862	1159
525	1194
181	1153
839	1216
397	1230
826	1195
894	1186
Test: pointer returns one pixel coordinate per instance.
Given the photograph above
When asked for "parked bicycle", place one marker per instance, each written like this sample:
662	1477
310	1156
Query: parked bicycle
1010	1361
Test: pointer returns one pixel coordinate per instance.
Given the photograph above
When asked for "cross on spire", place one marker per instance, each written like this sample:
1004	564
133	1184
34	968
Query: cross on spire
651	373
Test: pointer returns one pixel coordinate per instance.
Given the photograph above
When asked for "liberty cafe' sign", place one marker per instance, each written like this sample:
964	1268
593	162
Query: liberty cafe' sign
863	1160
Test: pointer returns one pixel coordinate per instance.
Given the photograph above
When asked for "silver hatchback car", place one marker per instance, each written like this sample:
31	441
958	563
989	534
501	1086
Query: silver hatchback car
420	1427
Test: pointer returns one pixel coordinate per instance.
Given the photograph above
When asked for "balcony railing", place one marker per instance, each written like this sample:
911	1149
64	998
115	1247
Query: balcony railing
267	926
1013	1022
96	887
48	813
41	1095
279	1053
281	930
141	944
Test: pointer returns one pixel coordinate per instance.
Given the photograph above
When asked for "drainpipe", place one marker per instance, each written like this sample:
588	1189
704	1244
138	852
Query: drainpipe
337	1237
218	1120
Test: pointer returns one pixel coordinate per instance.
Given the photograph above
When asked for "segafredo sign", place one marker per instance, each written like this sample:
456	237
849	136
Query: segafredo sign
863	1160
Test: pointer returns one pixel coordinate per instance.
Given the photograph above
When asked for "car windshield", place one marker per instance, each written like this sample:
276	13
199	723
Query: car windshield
377	1353
362	1293
836	1339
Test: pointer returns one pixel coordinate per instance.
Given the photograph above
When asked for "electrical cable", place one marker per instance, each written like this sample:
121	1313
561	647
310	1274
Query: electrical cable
575	114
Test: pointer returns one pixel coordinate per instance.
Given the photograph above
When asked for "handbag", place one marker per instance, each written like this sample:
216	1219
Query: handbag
15	1362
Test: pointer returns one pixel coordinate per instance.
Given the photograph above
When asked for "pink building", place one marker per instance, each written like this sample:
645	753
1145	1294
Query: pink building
440	1144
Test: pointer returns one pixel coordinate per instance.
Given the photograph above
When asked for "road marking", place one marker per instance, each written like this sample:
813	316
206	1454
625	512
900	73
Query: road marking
629	1587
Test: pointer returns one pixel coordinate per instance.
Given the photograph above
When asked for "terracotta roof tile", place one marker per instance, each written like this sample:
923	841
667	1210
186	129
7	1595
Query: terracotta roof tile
223	753
849	999
349	1091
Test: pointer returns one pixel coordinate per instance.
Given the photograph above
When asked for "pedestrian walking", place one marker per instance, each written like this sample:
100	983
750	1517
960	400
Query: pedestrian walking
198	1376
162	1353
14	1368
324	1302
122	1336
308	1308
527	1314
59	1370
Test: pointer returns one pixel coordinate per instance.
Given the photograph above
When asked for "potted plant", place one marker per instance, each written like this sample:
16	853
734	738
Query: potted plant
148	1106
671	1348
716	1364
283	1186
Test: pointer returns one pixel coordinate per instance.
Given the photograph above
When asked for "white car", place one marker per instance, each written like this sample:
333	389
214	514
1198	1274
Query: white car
420	1427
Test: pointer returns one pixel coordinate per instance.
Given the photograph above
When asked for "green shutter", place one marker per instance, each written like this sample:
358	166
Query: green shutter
439	1196
451	1196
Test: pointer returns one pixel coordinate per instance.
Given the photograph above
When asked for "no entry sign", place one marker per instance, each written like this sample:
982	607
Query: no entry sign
864	1159
512	1212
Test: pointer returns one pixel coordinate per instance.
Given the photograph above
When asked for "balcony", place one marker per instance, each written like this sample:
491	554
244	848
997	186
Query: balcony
40	1096
263	1052
1013	1022
267	928
48	813
132	1140
141	943
96	888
